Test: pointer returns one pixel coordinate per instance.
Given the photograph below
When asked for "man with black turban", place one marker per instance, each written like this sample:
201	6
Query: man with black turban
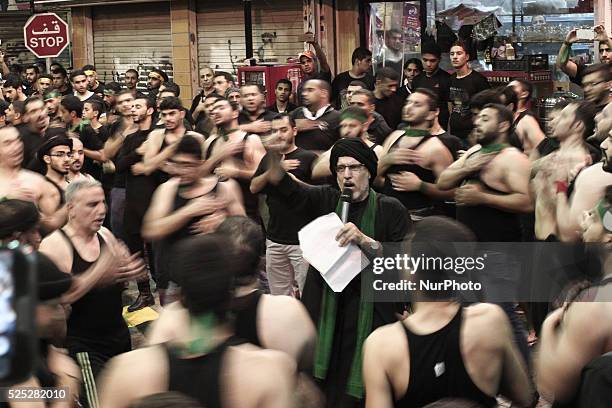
345	319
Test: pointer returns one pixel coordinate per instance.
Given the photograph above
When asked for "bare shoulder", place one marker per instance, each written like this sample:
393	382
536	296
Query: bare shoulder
57	248
156	134
250	362
486	318
286	311
139	364
387	337
513	157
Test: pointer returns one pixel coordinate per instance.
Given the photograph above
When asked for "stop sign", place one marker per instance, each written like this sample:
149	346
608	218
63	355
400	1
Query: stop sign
46	35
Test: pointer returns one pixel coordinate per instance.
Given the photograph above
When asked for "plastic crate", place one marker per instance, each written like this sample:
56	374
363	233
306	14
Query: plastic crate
527	63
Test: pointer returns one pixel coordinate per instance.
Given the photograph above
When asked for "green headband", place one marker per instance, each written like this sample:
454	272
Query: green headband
109	92
363	118
52	94
605	215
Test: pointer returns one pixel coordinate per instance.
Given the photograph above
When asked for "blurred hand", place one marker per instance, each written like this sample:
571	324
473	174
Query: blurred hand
310	38
477	161
289	165
226	172
405	181
600	33
260	126
138	169
469	194
202	206
571	37
404	155
209	223
349	233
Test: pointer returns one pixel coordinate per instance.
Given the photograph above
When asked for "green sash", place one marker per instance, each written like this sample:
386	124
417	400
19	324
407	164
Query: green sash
327	320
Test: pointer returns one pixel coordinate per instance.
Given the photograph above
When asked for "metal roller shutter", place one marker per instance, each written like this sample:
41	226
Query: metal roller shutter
132	36
11	34
220	22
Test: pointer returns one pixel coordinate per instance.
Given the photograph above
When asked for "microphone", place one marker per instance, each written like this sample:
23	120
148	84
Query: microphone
346	198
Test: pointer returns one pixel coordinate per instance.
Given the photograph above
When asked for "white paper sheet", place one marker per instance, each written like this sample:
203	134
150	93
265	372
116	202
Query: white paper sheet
338	265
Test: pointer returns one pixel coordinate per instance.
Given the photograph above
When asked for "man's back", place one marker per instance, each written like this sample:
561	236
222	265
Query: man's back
246	377
488	362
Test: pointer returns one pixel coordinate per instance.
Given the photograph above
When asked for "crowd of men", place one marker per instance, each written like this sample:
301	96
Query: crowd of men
110	184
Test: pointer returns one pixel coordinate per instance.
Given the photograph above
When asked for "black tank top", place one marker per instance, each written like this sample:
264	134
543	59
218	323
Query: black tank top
59	189
100	310
180	202
513	138
245	310
251	202
437	370
412	200
198	377
487	223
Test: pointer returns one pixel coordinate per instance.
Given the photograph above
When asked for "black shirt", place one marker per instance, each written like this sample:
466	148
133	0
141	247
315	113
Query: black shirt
286	221
378	129
391	109
31	142
461	91
99	90
439	82
138	189
341	83
391	225
322	138
290	108
244	119
93	140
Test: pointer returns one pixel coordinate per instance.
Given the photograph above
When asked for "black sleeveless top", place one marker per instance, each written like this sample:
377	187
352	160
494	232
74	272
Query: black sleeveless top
59	189
489	224
198	377
412	200
251	202
180	202
437	370
245	310
100	310
513	138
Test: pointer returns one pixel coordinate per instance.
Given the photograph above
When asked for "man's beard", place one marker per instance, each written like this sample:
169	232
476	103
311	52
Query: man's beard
60	171
415	123
487	139
607	165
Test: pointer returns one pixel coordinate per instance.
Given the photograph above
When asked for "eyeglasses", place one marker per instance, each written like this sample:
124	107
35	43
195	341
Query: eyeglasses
62	155
354	168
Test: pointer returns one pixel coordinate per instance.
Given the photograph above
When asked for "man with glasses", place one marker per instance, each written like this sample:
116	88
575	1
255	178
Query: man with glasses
56	155
373	218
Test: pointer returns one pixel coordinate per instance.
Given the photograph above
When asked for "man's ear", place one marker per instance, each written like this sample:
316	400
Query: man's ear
47	159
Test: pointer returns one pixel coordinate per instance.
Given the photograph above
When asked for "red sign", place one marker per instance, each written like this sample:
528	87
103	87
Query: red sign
46	35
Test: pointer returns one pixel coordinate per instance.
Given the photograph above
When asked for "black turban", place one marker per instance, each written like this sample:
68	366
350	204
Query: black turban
357	149
60	140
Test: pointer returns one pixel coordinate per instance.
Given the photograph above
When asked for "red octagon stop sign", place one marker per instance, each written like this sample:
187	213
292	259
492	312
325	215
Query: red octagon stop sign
46	35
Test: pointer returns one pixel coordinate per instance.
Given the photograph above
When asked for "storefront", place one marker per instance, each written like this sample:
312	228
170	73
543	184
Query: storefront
394	31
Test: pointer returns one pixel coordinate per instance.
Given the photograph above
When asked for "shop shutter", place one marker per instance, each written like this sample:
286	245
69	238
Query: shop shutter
220	22
132	36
